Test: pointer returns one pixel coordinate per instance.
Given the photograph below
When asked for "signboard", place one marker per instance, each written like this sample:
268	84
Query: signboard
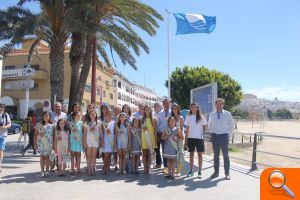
16	73
205	96
19	85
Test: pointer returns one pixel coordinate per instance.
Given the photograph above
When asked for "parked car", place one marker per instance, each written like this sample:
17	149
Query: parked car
14	129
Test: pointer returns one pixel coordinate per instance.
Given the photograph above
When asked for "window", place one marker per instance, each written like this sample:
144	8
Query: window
99	78
111	96
98	91
104	93
36	67
119	84
115	83
88	88
107	83
119	96
9	67
35	87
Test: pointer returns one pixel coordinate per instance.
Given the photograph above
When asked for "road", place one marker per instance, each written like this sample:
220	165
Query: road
21	179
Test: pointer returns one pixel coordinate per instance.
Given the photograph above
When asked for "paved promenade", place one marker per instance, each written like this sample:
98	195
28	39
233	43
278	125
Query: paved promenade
21	179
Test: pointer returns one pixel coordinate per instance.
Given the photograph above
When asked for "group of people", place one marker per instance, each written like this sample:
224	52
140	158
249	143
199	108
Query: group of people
128	140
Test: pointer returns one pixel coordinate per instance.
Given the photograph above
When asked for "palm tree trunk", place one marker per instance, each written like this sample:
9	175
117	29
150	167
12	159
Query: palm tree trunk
76	56
86	65
57	70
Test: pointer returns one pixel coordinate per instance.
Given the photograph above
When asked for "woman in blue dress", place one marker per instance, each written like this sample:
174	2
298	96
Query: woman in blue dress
76	143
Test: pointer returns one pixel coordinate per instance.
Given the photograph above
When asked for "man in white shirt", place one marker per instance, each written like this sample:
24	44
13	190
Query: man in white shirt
162	125
5	123
58	114
221	125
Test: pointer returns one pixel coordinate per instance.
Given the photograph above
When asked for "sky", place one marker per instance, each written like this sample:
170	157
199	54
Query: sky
256	42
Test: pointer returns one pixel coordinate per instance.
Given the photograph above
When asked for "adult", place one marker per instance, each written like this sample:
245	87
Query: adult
88	109
57	113
220	124
179	122
162	125
5	123
75	108
117	111
103	112
157	109
31	116
139	114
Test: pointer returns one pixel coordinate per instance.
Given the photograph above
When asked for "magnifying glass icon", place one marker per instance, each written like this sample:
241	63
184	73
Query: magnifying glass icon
277	180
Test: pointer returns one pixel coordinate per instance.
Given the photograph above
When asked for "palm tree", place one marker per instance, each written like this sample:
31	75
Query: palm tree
114	20
48	25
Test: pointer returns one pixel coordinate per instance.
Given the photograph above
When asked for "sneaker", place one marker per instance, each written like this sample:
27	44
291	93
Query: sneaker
172	177
199	175
214	175
227	177
23	153
118	172
43	174
165	170
190	174
124	172
168	176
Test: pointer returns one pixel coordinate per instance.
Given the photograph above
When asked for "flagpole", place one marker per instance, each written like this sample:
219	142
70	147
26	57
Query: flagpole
168	49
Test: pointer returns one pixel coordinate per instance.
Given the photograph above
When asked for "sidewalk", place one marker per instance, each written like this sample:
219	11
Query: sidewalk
21	179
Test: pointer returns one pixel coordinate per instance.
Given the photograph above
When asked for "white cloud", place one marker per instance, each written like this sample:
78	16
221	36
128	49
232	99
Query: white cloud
284	93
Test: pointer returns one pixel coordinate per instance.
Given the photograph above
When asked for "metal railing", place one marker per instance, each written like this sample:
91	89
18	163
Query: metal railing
255	139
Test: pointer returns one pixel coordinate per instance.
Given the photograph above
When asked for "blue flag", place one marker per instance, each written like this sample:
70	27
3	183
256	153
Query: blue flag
194	23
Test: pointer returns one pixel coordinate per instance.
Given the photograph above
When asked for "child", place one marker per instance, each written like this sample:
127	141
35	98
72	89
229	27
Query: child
76	142
107	142
136	132
196	124
61	144
148	138
122	140
43	141
91	141
171	136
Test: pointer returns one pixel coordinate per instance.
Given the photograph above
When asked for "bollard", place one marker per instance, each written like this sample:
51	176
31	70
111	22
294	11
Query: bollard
250	139
242	138
232	139
253	163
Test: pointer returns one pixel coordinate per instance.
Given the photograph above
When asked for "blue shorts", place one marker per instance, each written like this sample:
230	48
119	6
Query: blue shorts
3	143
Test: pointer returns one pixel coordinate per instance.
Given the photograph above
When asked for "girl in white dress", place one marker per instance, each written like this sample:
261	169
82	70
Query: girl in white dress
91	140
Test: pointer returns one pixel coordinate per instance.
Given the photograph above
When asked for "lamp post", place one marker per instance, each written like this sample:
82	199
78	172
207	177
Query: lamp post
93	92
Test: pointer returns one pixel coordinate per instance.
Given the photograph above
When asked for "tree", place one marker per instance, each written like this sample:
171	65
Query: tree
110	21
240	114
270	114
48	25
283	114
186	78
114	21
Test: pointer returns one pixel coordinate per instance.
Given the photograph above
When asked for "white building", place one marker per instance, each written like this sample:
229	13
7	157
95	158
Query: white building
131	93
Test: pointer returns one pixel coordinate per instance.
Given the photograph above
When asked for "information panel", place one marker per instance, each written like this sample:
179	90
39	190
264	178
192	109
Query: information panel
205	96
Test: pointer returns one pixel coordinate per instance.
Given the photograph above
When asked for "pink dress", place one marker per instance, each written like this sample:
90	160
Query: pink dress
62	145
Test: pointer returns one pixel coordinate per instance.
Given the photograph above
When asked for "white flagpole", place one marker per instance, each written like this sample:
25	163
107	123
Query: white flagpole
168	47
